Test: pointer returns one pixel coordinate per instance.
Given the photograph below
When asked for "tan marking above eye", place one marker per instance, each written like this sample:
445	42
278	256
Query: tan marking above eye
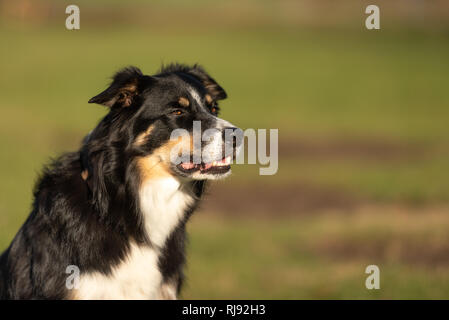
209	99
184	102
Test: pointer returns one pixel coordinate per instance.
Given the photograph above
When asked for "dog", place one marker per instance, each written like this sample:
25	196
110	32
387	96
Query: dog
116	210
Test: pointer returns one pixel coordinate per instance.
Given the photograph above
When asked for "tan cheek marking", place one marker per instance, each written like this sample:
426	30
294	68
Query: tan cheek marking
209	98
142	137
157	165
151	167
184	102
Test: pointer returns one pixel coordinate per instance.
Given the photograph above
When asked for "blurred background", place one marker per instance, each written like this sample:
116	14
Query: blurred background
363	119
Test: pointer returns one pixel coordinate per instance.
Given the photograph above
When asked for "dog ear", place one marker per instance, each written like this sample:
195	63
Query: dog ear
212	87
123	89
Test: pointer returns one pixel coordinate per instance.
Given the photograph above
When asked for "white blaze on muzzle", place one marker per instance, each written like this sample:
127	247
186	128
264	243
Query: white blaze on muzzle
216	143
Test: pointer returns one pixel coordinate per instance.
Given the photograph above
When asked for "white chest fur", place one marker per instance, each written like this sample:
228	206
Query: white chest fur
163	204
137	277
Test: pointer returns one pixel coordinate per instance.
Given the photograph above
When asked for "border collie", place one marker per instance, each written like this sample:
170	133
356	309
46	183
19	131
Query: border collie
117	208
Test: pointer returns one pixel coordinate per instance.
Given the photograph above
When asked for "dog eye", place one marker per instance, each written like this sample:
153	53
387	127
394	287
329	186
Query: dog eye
177	112
214	110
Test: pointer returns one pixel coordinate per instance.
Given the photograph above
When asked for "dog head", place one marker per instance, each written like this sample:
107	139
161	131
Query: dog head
161	125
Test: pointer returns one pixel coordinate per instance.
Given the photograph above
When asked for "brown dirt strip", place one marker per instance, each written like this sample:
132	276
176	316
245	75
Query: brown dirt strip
289	200
410	251
274	200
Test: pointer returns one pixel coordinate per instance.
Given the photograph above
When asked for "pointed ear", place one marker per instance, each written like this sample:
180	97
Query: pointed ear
123	89
212	87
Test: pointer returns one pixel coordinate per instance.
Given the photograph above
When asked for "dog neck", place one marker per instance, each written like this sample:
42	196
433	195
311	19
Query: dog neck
164	203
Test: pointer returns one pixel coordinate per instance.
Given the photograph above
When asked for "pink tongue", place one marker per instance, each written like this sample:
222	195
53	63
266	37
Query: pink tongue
190	165
187	165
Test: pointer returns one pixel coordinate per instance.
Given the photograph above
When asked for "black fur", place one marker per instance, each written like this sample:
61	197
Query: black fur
90	222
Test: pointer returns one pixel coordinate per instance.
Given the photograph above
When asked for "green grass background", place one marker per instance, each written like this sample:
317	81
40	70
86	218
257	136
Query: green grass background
314	83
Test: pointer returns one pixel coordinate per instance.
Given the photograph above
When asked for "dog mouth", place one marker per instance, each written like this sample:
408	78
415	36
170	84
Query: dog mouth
215	167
